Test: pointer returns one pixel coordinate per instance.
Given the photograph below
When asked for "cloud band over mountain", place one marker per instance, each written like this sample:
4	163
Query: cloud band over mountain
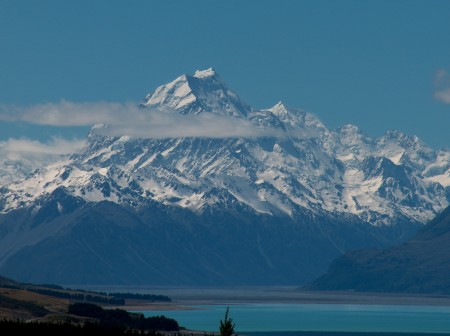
128	119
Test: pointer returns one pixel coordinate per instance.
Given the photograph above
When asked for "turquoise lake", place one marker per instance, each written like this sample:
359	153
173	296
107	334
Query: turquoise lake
315	317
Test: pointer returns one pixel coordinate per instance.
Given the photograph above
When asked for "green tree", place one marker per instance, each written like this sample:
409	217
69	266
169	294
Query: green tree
226	325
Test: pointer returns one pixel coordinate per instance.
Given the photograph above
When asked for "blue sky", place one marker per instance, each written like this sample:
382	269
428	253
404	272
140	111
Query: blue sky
377	64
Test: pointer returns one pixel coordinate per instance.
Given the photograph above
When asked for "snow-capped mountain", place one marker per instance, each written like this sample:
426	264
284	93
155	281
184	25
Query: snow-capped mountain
287	167
302	166
16	166
202	92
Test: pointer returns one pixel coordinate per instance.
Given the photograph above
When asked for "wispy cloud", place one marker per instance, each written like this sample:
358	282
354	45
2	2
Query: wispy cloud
66	113
442	86
57	146
159	124
129	119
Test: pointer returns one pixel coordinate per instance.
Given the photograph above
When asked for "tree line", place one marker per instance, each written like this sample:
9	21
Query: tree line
80	296
114	318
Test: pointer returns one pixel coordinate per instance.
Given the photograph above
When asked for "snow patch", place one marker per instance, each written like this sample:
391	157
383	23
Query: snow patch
103	171
443	179
169	150
205	73
396	158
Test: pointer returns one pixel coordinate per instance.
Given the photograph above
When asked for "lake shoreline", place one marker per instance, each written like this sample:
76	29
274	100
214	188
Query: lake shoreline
307	333
317	319
187	298
335	333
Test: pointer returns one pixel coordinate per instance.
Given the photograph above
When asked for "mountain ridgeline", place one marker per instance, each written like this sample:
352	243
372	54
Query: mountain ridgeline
419	265
258	197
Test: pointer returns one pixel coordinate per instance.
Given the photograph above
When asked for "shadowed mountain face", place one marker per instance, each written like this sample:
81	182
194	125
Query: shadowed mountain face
217	193
421	265
106	243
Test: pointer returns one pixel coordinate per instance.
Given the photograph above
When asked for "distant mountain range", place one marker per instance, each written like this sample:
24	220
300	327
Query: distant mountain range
226	195
420	265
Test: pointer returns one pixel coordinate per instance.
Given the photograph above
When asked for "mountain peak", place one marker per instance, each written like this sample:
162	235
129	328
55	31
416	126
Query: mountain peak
210	72
395	135
202	92
281	111
279	108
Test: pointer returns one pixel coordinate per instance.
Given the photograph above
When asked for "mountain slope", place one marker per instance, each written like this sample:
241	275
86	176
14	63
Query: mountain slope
420	265
105	243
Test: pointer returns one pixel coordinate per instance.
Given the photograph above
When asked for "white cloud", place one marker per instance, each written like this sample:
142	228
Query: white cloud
57	146
443	95
66	113
439	76
442	86
131	120
158	124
